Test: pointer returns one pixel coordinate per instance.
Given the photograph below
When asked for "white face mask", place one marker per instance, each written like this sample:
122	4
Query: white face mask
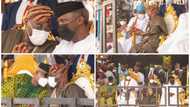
51	81
140	16
152	69
39	37
151	81
43	82
110	83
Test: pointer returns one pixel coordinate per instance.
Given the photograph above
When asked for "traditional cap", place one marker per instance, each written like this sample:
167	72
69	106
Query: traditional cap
8	57
44	67
66	7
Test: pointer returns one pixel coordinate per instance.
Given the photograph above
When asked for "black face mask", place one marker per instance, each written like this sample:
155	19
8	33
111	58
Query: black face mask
65	33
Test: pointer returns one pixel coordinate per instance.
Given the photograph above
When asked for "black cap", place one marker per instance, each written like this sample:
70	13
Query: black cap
66	7
60	59
6	57
44	67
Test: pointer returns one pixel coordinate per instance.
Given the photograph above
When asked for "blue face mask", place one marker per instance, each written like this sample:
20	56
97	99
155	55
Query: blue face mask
169	2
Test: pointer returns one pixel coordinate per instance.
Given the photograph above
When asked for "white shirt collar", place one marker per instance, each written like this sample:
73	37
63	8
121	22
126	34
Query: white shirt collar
87	45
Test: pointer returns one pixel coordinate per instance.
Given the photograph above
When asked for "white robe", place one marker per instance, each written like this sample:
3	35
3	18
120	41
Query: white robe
87	45
133	94
126	44
173	99
121	100
178	41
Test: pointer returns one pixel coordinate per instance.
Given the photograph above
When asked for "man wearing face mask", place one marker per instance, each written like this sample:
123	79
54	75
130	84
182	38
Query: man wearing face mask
137	25
26	85
64	88
34	37
73	21
40	78
156	28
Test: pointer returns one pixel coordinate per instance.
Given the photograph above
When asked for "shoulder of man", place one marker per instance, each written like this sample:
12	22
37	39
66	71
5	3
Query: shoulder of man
73	90
10	38
47	47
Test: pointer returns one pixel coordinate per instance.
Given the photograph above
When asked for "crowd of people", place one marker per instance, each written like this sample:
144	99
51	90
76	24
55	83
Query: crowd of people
141	84
54	76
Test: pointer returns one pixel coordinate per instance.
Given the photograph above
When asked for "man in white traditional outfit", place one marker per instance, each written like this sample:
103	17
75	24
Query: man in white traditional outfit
178	41
172	93
138	23
127	95
132	92
73	20
121	98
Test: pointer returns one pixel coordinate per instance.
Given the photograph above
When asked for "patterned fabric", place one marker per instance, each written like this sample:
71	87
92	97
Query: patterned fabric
21	86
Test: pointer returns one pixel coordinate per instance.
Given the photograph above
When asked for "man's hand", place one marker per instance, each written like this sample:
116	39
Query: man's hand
171	94
38	16
21	48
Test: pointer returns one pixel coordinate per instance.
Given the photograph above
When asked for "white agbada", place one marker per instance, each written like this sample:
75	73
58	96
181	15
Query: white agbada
140	23
87	45
133	94
178	41
121	99
141	75
173	99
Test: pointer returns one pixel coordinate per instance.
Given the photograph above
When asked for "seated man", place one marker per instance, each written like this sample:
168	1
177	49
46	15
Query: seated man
78	87
26	85
157	27
34	38
73	27
135	27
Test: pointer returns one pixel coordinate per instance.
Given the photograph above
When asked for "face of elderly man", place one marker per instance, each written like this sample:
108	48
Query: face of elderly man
70	24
